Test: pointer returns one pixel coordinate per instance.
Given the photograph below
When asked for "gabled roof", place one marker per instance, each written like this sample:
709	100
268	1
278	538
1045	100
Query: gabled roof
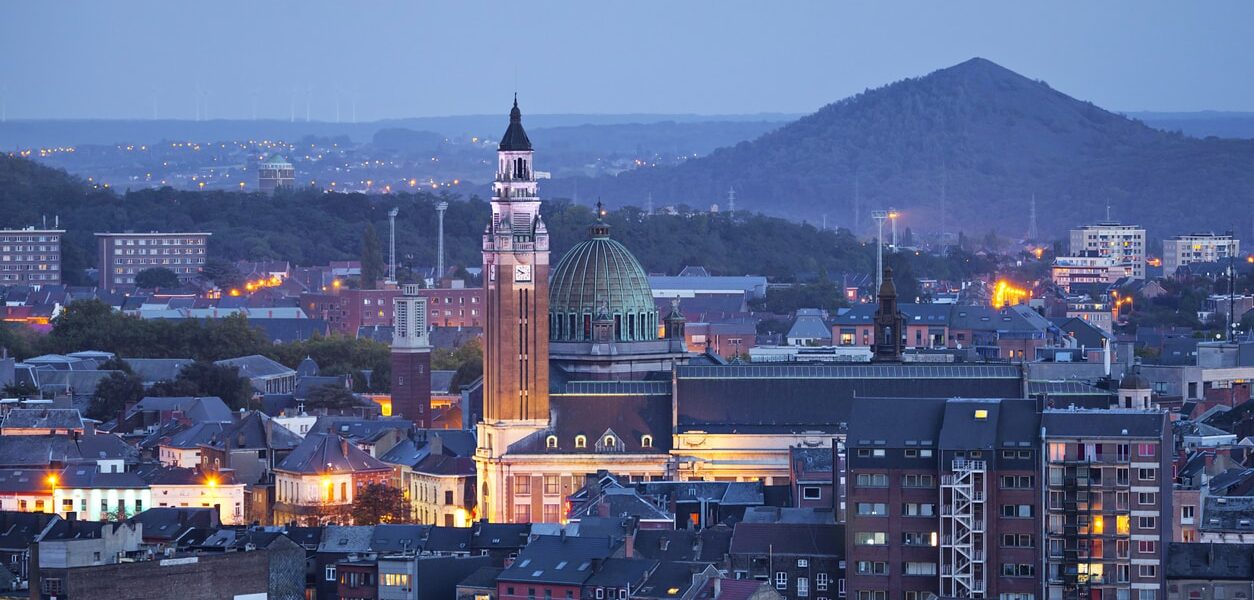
321	453
562	560
257	366
43	418
194	436
198	409
255	431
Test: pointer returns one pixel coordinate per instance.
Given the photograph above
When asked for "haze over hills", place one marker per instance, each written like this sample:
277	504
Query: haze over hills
963	148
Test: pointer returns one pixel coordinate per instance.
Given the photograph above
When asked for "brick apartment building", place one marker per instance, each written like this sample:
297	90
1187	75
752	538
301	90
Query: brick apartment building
30	256
1108	501
454	307
123	255
945	502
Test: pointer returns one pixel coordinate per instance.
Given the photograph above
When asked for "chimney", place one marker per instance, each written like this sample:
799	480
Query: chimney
344	446
718	587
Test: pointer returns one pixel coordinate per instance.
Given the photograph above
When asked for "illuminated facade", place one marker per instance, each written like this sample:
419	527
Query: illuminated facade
30	256
1124	243
1198	247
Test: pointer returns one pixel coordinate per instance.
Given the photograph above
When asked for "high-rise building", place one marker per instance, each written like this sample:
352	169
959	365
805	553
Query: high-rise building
1108	501
30	256
1197	247
1086	268
275	172
123	255
945	503
1123	242
411	358
516	313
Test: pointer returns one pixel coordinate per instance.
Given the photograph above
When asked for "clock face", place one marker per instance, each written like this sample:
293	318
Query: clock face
522	273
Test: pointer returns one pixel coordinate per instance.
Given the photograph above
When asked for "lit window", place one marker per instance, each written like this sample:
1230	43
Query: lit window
581	441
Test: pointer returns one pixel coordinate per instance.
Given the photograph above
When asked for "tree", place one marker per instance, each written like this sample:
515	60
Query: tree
331	397
380	503
156	277
21	391
223	381
112	395
466	360
222	273
371	258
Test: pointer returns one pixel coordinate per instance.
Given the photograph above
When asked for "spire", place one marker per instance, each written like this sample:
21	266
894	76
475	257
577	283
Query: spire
599	228
515	138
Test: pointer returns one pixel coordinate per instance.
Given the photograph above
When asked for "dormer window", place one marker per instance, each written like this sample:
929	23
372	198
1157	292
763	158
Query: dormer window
646	441
610	442
581	441
550	442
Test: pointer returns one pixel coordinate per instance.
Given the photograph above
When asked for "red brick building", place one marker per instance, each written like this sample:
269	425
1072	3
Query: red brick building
454	307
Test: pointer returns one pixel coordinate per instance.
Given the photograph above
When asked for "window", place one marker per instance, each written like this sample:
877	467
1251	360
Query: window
920	568
803	587
871	594
550	442
581	441
1146	546
912	509
1153	594
522	513
1016	511
1016	482
811	493
609	441
803	563
646	441
522	485
1057	452
867	567
1016	540
820	582
1146	497
1146	522
917	481
1121	476
552	513
1017	570
870	538
873	509
1145	474
872	480
330	573
781	580
1147	570
918	538
448	497
1146	449
1186	514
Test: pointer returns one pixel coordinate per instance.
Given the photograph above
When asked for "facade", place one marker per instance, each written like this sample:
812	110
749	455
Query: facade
1087	268
316	483
411	358
944	503
96	494
1108	502
1125	243
1197	247
797	560
123	255
30	256
454	306
275	172
441	490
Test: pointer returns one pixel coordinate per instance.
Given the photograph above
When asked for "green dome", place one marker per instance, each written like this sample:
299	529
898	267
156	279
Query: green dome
599	280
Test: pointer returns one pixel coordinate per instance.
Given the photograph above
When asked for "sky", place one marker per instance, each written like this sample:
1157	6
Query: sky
237	59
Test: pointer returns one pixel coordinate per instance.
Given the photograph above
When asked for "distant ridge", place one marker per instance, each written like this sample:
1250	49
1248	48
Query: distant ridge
964	148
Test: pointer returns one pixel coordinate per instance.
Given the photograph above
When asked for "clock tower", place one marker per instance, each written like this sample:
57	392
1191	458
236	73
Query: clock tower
516	282
516	328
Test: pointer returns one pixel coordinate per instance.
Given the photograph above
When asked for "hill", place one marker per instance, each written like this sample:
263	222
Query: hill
310	227
963	148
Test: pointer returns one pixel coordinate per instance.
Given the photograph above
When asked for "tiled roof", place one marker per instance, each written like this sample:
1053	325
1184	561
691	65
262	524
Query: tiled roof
779	538
43	418
329	453
562	560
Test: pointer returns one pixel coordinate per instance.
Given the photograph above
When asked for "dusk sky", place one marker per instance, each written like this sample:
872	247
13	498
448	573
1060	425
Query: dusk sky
113	59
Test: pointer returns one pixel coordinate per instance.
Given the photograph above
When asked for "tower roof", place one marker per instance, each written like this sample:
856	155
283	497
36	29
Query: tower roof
515	138
599	275
1133	380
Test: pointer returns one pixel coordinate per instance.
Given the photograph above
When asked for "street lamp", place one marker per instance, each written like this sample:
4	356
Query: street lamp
879	216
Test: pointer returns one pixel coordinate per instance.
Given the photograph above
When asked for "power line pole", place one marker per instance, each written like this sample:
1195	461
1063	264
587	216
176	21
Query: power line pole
392	246
1032	218
439	260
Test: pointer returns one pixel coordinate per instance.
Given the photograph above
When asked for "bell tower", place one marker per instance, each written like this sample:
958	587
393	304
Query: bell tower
516	328
516	282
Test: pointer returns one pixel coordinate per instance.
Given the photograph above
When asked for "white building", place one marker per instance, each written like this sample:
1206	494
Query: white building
1126	243
1197	247
193	488
1088	267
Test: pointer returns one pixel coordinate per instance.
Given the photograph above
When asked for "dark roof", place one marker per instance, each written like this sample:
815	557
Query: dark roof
87	476
329	453
446	465
622	572
256	431
515	139
42	450
398	538
355	428
1212	562
812	397
500	535
731	589
672	575
1081	423
622	502
797	540
628	416
43	418
1228	513
152	370
156	474
194	436
483	577
872	423
171	523
562	560
687	545
256	365
346	539
812	460
200	409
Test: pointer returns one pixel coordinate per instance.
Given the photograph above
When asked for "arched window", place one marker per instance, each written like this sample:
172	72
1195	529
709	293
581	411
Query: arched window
609	441
646	441
343	491
581	441
550	442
